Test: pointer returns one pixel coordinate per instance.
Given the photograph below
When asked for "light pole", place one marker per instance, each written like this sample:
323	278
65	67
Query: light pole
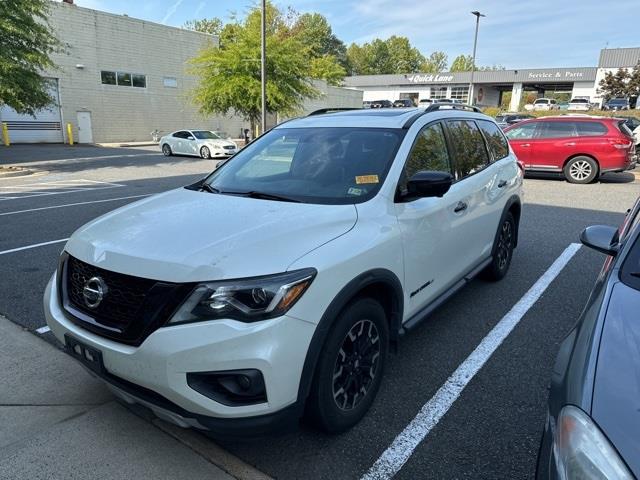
473	63
263	65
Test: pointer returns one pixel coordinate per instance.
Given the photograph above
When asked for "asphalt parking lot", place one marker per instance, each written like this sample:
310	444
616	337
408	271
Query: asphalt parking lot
491	430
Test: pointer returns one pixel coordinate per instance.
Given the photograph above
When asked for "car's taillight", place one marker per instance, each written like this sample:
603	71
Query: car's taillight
621	143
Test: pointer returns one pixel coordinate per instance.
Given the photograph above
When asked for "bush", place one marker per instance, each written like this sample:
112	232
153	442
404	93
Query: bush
491	111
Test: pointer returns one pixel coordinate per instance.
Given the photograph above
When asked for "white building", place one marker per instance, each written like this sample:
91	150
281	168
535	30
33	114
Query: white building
489	86
121	78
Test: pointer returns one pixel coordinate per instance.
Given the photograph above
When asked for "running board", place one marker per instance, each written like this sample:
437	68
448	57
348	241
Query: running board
423	314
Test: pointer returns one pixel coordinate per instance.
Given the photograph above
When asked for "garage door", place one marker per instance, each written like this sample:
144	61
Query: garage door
46	127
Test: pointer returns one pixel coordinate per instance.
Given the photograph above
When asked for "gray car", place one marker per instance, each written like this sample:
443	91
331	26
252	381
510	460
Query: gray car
593	423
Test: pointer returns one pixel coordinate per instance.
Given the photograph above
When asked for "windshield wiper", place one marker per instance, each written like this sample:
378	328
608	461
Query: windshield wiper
205	187
262	195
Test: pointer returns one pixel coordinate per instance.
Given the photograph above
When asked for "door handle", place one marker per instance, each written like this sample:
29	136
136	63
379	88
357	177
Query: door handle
525	144
569	144
502	183
460	207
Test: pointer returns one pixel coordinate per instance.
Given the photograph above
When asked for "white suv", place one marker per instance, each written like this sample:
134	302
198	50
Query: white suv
276	285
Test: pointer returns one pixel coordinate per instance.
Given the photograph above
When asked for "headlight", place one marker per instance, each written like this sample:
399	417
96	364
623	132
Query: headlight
247	300
582	451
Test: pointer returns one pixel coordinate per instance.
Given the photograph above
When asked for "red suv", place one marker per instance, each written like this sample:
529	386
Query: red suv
583	148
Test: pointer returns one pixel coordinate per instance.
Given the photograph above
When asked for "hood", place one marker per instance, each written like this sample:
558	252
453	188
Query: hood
186	236
218	142
616	392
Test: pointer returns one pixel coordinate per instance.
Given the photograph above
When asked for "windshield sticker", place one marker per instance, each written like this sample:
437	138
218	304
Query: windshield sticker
360	179
355	191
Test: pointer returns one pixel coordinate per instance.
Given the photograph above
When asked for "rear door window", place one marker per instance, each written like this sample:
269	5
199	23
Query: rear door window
522	132
591	129
470	152
498	145
630	271
559	130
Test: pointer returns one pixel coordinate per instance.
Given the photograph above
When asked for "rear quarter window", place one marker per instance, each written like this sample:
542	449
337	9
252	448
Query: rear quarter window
497	142
591	129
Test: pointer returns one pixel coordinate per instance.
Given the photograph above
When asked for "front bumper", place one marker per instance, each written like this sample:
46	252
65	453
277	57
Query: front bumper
154	373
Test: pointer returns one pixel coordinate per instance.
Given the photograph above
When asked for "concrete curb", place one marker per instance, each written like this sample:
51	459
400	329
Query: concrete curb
17	172
206	448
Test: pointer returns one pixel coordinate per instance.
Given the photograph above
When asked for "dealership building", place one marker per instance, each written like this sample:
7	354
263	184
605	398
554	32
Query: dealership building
490	86
120	78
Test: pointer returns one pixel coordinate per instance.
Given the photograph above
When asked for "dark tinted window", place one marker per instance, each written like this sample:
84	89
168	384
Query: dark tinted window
630	271
429	152
559	130
108	78
139	81
181	134
124	79
591	128
522	132
470	152
496	140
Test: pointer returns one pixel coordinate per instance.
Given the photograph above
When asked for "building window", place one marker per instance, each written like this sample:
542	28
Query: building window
460	93
123	79
171	82
108	78
438	92
139	81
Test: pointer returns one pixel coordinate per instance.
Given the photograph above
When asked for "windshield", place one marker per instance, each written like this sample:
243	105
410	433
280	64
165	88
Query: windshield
541	101
312	165
204	135
618	100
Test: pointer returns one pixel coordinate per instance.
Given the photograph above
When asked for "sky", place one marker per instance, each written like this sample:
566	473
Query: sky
514	34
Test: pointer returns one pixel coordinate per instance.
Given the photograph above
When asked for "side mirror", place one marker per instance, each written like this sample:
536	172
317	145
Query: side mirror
191	137
429	184
601	238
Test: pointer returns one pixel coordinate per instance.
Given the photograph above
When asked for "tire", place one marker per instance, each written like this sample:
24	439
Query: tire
581	170
205	153
350	367
166	150
503	250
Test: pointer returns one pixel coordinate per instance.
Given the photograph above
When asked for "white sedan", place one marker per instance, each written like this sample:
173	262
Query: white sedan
201	143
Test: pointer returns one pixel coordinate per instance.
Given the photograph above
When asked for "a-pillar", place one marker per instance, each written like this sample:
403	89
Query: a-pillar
516	96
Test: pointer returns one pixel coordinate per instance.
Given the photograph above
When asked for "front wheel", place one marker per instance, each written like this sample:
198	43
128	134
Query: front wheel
581	170
205	152
503	250
166	150
350	367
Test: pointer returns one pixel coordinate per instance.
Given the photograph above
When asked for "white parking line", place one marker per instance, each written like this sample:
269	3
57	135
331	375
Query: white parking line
36	245
59	187
394	457
42	330
74	204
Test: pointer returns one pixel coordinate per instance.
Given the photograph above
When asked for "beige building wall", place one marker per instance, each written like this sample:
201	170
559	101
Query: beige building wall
97	41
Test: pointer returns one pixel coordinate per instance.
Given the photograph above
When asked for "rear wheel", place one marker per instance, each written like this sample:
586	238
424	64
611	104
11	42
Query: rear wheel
166	150
350	367
205	152
503	250
581	170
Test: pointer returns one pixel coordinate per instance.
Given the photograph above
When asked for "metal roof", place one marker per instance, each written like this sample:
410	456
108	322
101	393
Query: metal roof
619	57
538	75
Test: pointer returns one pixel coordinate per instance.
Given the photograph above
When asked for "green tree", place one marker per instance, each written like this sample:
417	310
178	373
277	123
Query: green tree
26	43
212	26
462	63
614	84
393	55
633	85
229	76
434	63
404	57
314	31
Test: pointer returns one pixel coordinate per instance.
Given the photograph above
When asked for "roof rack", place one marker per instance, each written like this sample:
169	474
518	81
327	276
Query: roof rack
322	111
440	106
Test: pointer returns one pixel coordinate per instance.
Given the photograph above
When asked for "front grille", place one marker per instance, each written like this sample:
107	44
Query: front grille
122	303
132	307
229	147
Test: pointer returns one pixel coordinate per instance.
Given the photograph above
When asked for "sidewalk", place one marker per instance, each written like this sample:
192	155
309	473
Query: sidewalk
57	422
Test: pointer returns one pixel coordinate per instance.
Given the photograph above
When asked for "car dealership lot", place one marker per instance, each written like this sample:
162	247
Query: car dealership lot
493	428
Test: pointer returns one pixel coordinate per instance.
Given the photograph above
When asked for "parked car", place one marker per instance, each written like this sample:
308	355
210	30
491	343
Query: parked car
633	124
616	104
381	104
425	102
506	119
276	285
579	105
199	143
593	422
403	103
366	104
580	147
541	104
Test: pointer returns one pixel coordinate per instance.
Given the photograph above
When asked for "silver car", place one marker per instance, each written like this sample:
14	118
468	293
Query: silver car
200	143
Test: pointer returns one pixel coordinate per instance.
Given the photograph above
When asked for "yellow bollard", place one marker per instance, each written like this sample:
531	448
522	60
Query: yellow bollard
70	133
5	134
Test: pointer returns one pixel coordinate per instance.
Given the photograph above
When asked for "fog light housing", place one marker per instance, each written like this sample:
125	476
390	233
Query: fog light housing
234	388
